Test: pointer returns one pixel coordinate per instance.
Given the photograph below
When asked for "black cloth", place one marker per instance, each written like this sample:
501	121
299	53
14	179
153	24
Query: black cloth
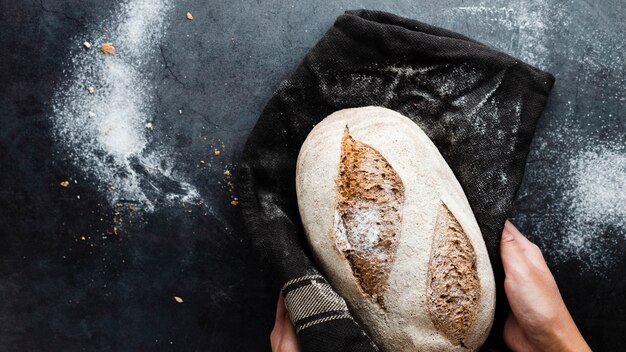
479	107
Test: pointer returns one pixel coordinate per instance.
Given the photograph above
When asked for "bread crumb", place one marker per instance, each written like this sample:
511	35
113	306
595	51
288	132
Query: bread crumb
82	238
227	172
91	89
115	231
92	114
149	125
234	202
189	16
216	152
178	299
107	48
87	45
65	184
201	161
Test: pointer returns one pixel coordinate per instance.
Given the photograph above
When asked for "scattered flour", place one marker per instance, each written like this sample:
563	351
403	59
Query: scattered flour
104	133
524	22
482	107
595	200
582	216
599	180
573	200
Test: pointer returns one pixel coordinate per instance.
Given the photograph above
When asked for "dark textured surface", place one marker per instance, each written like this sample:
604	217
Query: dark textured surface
116	292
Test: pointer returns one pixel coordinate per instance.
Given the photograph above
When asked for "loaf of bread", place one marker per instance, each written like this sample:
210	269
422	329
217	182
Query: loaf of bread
391	229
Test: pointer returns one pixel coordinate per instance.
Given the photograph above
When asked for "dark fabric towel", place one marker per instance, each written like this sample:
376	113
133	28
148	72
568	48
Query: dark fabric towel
479	107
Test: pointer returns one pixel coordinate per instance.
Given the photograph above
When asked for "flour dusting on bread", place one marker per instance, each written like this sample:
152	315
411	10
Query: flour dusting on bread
368	214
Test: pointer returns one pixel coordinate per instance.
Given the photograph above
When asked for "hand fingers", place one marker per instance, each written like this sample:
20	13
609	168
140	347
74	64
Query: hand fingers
521	239
514	335
289	342
530	250
511	332
513	258
283	337
279	323
281	310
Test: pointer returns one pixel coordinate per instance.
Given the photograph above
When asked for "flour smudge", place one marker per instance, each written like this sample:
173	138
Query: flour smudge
572	201
103	113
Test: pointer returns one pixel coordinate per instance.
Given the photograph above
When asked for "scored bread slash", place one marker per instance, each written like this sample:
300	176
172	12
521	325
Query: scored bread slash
107	48
65	184
178	299
189	16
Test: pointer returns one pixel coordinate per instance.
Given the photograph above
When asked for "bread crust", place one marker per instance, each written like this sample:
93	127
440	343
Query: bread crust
405	321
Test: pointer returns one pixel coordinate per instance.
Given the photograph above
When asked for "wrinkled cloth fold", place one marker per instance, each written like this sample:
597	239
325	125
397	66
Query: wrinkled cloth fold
479	107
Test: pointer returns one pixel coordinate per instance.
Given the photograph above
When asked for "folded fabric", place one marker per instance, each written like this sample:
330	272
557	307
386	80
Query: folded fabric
478	106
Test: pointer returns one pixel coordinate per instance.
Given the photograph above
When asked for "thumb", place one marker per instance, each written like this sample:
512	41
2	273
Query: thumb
513	257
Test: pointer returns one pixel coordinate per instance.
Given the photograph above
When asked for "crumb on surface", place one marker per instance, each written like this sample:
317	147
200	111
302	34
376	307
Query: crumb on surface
234	202
216	152
91	89
64	184
107	48
189	16
178	299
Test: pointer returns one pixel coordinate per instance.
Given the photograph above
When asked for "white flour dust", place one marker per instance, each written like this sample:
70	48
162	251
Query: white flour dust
103	114
594	200
599	184
524	21
585	215
572	202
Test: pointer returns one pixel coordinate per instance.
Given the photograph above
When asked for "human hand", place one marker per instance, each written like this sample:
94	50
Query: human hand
283	337
539	320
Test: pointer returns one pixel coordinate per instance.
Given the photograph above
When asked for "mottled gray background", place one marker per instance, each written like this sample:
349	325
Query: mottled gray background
115	292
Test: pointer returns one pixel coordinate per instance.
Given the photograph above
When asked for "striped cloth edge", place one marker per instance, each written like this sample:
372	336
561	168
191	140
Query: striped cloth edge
310	300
